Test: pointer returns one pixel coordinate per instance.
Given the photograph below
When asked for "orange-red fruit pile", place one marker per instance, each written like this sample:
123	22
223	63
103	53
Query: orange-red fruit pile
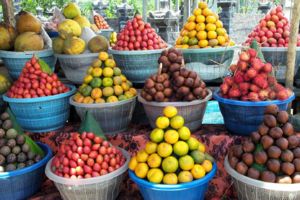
100	22
273	30
252	80
33	82
138	35
86	155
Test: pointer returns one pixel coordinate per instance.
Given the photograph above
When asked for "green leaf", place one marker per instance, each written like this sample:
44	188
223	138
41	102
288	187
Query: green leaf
45	67
254	45
259	147
259	167
89	124
33	146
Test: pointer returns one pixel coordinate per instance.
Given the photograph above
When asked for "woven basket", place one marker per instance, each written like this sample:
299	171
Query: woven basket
210	63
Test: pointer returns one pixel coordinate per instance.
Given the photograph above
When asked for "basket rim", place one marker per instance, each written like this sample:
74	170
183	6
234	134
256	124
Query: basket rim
276	49
32	167
100	105
165	187
179	103
85	55
257	183
135	52
41	99
208	50
106	30
26	54
78	182
220	99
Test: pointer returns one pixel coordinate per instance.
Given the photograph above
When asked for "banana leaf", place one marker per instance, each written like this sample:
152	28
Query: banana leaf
255	45
35	148
89	124
44	66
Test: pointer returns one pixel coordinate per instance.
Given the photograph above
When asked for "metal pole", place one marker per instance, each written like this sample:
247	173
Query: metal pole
145	10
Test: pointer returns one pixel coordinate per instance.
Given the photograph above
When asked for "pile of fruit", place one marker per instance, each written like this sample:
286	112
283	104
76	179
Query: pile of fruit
100	22
72	11
25	36
15	153
104	82
138	35
36	80
86	155
272	31
273	154
252	80
202	30
173	155
176	83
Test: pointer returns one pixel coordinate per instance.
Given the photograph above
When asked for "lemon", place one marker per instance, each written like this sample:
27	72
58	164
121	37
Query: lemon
132	163
210	27
186	162
103	56
141	170
202	5
177	122
171	136
150	147
155	175
191	18
170	164
207	165
142	156
108	72
212	35
170	111
198	171
219	24
164	149
197	11
184	133
170	179
110	63
211	19
201	147
154	160
200	27
181	148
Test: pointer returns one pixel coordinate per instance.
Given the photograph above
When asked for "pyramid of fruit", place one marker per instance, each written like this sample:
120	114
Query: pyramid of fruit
176	83
173	155
36	80
203	29
252	80
138	35
273	153
272	31
100	22
104	82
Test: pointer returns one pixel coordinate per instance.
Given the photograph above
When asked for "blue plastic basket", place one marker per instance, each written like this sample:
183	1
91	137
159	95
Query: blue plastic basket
52	34
15	61
42	114
244	117
194	190
213	114
23	183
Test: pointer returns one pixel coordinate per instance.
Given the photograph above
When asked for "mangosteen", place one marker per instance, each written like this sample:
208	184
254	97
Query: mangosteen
167	84
288	129
184	72
263	129
153	77
272	109
5	150
190	97
164	53
174	67
149	83
197	91
11	133
293	141
276	132
29	163
287	168
30	155
197	83
270	121
179	81
237	151
2	159
296	163
179	59
2	133
241	168
253	173
11	158
248	159
25	148
10	167
296	152
255	137
284	180
148	97
266	141
21	157
274	152
159	96
166	76
7	124
152	91
273	165
189	82
16	150
233	161
183	90
168	92
21	165
4	116
159	87
160	78
165	61
248	146
11	143
193	75
282	117
282	143
268	176
172	57
260	157
287	156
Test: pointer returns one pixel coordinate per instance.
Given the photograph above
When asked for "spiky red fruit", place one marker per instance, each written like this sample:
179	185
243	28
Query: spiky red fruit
260	82
251	73
234	93
233	67
282	95
242	65
252	53
267	68
278	87
228	80
253	96
244	56
244	86
257	64
272	95
254	88
238	77
224	88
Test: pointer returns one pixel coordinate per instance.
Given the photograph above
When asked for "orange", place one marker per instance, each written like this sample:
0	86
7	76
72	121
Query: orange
185	176
142	156
203	43
103	56
170	111
197	11
150	147
216	16
202	5
211	19
219	24
206	12
110	63
191	18
96	93
181	148
78	98
200	27
88	100
192	33
177	122
99	100
164	149
190	26
221	40
170	164
141	170
210	27
201	147
162	122
198	171
112	99
207	165
171	136
212	34
201	35
178	41
132	163
155	175
221	31
200	19
170	178
184	32
186	162
154	160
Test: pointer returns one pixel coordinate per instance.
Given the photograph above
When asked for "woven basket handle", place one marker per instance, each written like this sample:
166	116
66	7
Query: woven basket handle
159	68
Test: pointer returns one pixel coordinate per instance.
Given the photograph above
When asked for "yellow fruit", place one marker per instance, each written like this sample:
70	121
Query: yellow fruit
221	31
141	170
198	171
96	63
200	27
108	72
128	94
212	35
207	165
71	10
69	28
191	18
132	163
221	40
154	160
117	71
185	176
171	136
192	33
90	70
157	135
200	19
73	46
170	164
184	133
155	175
206	12
150	147
231	43
162	122
88	100
108	91
197	11
181	148
211	19
57	44
107	82
133	91
186	162
118	90
185	39
170	179
87	79
177	122
142	156
190	26
210	27
103	56
112	99
219	24
202	5
82	21
97	72
164	149
213	42
201	35
201	147
99	100
78	98
193	143
184	32
178	40
170	111
96	93
125	86
117	80
110	63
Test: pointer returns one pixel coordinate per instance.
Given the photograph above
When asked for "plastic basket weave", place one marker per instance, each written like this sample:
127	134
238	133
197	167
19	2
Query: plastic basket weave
15	61
194	190
112	117
105	32
137	66
278	58
251	189
106	187
210	63
23	183
42	114
192	112
75	66
244	117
